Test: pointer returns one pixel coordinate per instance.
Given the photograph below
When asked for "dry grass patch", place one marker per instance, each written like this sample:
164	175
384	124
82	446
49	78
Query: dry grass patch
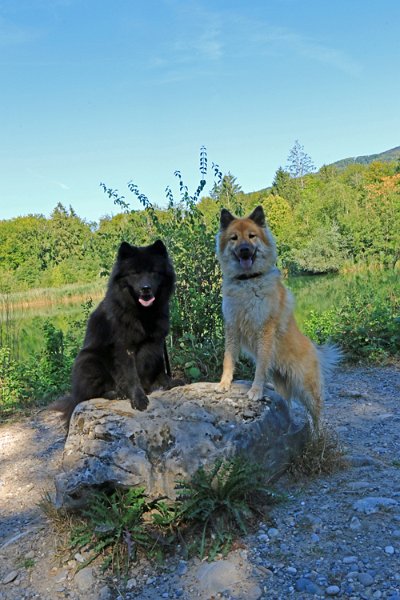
322	455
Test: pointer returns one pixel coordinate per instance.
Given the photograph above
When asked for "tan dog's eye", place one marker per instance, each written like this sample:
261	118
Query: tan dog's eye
252	235
234	237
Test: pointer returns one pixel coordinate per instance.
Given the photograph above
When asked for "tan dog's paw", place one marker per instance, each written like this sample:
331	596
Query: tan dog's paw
223	386
255	392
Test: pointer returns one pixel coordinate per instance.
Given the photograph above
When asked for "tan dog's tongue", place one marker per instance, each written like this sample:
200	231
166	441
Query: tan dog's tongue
146	302
246	263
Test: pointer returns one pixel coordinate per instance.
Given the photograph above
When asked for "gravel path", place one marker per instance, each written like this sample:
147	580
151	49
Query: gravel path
336	536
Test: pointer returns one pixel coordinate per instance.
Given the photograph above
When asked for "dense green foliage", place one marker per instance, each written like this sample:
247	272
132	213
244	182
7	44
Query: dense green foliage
45	374
323	222
366	327
39	252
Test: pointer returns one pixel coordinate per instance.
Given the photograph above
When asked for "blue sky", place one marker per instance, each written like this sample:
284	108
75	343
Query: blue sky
116	90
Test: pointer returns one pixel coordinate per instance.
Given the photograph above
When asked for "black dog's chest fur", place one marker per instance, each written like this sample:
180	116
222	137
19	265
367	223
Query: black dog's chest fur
127	329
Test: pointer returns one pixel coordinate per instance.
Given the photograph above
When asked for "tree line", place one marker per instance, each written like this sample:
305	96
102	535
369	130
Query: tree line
323	221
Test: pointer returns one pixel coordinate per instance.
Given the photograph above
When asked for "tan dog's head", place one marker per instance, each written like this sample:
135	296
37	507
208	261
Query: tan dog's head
245	246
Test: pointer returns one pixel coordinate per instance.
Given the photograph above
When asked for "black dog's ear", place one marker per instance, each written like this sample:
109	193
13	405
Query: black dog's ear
226	218
159	248
258	216
126	251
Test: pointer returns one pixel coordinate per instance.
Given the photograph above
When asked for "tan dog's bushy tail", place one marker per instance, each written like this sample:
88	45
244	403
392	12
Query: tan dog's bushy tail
329	356
310	391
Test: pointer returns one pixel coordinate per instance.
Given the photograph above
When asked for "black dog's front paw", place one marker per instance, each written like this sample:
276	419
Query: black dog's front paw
164	382
139	400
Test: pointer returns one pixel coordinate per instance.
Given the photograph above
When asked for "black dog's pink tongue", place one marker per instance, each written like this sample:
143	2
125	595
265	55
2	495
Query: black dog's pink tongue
246	263
146	303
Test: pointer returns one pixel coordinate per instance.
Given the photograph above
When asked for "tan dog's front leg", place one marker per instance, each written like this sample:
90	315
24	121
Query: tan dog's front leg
230	358
265	348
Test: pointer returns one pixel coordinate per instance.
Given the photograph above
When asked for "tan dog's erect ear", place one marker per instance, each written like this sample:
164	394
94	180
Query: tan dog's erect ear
258	216
226	218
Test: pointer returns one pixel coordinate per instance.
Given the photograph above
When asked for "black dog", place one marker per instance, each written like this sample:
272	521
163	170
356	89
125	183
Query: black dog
123	354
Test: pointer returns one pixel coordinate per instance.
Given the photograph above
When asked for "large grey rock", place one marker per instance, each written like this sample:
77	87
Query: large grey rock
111	445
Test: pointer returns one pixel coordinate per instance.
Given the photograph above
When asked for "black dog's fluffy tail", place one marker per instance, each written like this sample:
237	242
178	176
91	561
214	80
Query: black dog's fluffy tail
66	406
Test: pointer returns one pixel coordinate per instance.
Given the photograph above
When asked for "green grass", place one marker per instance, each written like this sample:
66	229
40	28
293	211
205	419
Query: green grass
324	292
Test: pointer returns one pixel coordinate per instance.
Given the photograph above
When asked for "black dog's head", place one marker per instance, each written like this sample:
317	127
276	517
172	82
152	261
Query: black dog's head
145	273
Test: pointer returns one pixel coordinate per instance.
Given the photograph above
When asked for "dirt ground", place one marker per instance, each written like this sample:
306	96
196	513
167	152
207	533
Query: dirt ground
362	407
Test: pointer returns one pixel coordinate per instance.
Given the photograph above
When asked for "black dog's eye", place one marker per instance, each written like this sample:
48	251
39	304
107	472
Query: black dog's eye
234	237
252	235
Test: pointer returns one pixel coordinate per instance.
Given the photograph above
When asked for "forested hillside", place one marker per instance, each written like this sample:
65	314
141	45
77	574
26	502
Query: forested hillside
388	156
324	222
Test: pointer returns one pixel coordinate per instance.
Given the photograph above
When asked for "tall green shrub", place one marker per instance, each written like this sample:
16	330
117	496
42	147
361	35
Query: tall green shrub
196	318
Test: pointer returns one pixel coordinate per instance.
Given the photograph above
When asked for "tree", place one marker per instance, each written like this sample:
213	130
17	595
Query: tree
70	235
284	186
278	214
299	163
328	173
378	170
279	217
281	180
323	253
226	193
354	175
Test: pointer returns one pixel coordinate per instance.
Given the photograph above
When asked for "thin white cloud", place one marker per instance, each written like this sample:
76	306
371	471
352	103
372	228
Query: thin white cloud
208	43
63	186
12	35
48	180
288	41
203	40
198	37
210	36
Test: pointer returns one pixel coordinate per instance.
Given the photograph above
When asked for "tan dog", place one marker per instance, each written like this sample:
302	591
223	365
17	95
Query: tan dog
258	314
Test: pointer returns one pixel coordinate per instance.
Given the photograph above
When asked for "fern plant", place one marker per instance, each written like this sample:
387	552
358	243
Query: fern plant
113	526
212	509
221	500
